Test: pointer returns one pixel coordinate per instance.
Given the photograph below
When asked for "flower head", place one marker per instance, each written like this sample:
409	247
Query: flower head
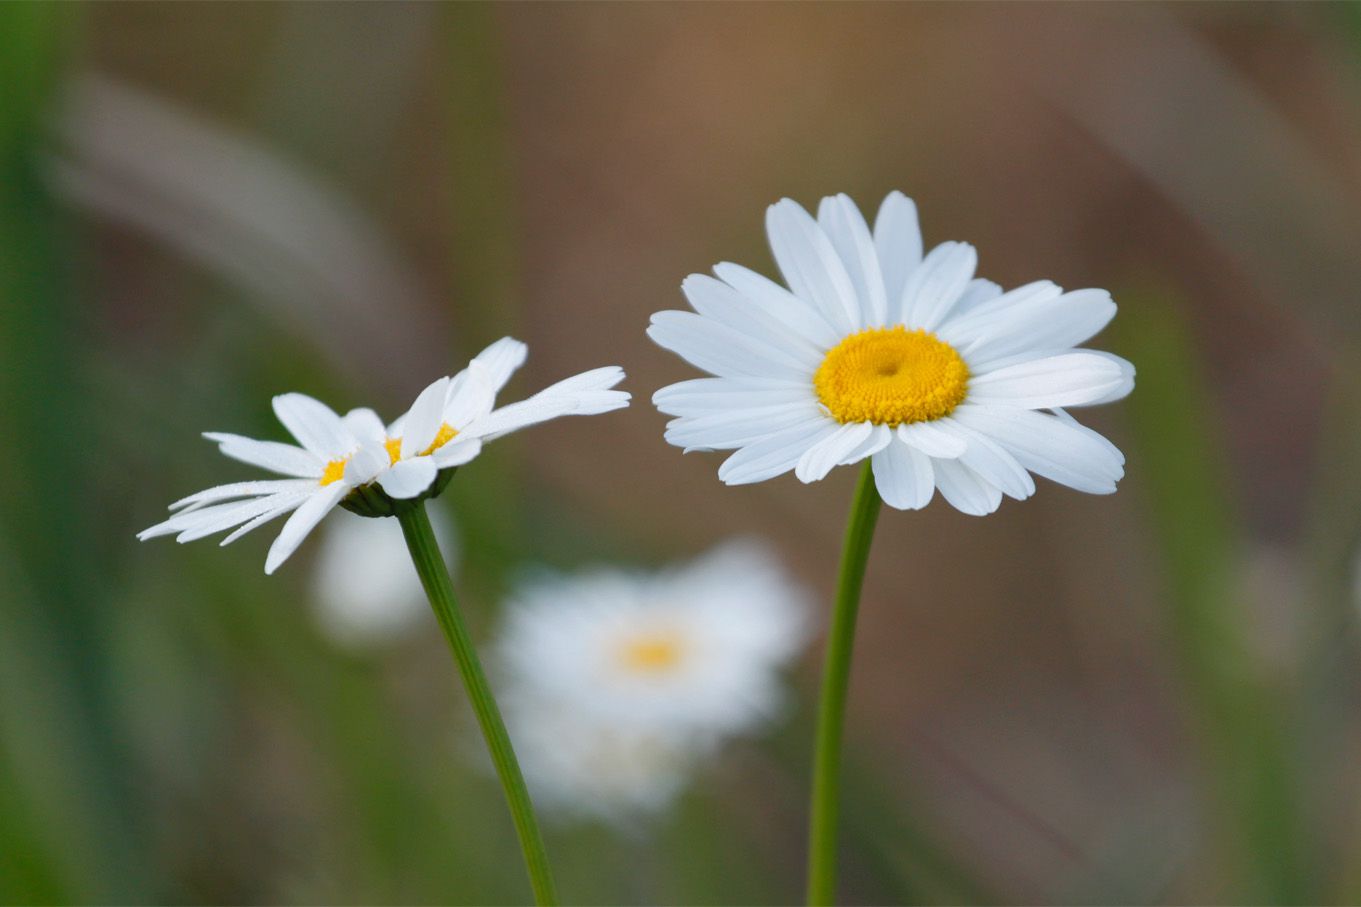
877	351
357	461
615	683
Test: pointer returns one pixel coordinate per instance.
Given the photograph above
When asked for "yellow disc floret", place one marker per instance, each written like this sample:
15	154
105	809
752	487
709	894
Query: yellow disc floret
652	654
334	471
445	434
891	376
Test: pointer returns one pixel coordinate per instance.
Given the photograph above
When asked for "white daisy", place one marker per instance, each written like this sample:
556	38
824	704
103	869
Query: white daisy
876	351
615	683
451	418
364	592
322	471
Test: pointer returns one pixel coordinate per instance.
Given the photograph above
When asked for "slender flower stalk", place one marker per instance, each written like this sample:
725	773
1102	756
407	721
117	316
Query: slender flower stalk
420	540
836	676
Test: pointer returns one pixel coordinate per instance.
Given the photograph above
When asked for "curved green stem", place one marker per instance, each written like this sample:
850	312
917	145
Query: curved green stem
836	678
420	540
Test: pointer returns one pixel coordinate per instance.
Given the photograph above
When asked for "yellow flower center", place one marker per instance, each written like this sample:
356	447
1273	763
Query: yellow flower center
445	434
654	654
891	376
334	471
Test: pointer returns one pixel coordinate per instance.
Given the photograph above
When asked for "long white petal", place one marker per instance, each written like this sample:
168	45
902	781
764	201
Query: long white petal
966	491
303	520
1072	379
1042	327
364	424
240	490
1069	454
874	442
284	459
904	476
586	394
738	426
700	396
424	418
314	424
471	396
227	516
801	316
994	464
932	440
824	456
457	452
408	478
810	265
963	326
500	360
717	348
845	227
898	240
776	454
714	299
979	291
286	504
934	287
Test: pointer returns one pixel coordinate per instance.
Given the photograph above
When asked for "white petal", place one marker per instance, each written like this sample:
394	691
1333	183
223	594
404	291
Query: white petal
720	350
700	396
1069	454
932	440
874	442
586	394
314	424
286	503
371	459
303	520
737	427
810	265
898	242
776	454
457	452
424	418
364	425
904	476
966	491
779	303
471	396
284	459
823	456
1121	390
1042	327
408	478
714	299
845	226
936	285
500	360
979	291
1072	379
240	490
994	464
226	516
963	327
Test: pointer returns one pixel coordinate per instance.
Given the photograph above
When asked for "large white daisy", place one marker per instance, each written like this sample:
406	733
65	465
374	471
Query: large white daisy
877	351
322	471
615	683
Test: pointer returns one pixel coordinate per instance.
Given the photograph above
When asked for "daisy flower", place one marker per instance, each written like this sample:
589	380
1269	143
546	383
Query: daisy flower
877	351
645	672
451	418
322	469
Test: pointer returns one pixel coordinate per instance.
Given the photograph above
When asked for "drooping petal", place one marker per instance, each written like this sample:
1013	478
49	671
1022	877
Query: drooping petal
315	425
303	520
994	464
285	504
810	265
1067	453
898	241
932	439
874	442
408	478
845	226
904	476
775	454
220	493
966	491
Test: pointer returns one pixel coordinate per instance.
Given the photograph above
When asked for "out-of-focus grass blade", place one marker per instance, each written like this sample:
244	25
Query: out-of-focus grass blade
1237	715
57	724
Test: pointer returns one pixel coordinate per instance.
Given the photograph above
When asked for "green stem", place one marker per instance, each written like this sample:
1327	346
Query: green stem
836	677
420	540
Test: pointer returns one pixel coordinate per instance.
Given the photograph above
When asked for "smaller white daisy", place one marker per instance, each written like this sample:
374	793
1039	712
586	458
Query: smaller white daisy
648	671
451	418
364	592
322	471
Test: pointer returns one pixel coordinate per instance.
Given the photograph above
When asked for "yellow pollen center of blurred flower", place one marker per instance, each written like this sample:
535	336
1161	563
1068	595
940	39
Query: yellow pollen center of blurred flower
651	654
891	376
334	471
445	434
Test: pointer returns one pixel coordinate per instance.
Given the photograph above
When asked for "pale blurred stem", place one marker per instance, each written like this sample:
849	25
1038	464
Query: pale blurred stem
420	540
836	677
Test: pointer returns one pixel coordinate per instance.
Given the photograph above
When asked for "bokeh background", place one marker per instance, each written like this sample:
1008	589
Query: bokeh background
1144	698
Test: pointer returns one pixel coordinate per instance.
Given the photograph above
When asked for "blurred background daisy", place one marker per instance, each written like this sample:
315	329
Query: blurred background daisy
618	684
1080	699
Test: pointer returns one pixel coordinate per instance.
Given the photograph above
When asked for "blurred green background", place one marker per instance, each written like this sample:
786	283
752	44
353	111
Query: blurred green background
1145	698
